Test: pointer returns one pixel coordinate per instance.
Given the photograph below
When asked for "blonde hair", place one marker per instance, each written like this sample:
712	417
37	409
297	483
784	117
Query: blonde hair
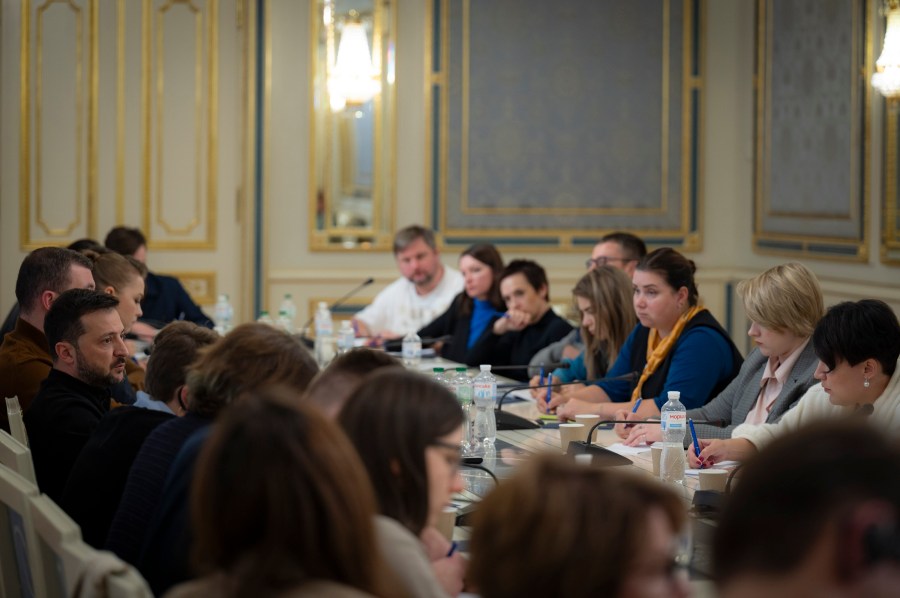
784	298
609	292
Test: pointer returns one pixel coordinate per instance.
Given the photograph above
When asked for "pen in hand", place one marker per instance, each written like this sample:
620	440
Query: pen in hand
549	389
637	405
695	441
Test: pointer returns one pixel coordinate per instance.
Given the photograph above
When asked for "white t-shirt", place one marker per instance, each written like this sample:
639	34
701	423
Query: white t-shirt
399	309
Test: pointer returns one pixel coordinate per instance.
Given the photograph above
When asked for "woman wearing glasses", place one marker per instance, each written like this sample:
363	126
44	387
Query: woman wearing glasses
407	430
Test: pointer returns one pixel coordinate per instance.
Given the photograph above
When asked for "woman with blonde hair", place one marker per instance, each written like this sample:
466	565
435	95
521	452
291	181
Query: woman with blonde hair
603	300
558	528
784	304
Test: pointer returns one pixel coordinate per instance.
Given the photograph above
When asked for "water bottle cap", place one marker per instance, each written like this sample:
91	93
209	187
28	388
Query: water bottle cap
485	367
461	369
288	296
436	370
323	304
674	395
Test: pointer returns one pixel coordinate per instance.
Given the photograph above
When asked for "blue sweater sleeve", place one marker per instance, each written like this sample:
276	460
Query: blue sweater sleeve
702	358
575	371
620	391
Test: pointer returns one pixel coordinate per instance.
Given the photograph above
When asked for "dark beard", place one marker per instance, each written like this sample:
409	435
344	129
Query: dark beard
94	377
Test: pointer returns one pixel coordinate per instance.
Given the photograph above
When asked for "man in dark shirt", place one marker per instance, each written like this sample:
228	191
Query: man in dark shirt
97	480
86	335
165	300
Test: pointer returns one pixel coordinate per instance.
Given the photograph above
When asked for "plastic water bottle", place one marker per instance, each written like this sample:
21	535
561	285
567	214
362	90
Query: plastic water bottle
284	322
324	345
290	310
223	314
674	427
484	429
411	349
265	318
462	387
346	337
439	376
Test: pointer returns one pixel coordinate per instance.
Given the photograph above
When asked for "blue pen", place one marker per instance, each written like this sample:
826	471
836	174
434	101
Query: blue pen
637	405
695	441
453	548
549	386
542	375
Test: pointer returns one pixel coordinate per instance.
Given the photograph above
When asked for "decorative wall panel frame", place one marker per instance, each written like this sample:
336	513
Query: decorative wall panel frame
890	236
673	217
792	219
36	227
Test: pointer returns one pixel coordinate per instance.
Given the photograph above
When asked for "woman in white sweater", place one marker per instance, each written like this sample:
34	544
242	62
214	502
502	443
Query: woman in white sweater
858	346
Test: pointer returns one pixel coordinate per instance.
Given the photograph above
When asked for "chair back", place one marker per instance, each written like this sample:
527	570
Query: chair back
16	424
53	529
21	570
16	456
78	569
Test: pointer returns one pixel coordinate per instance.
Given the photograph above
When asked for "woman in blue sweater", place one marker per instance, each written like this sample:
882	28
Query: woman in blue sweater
473	311
678	345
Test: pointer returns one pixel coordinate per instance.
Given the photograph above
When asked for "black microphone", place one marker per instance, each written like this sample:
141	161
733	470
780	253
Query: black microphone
305	328
510	421
561	365
605	457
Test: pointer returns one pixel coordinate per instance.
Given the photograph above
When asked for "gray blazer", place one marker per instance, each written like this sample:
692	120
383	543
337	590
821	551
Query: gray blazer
734	403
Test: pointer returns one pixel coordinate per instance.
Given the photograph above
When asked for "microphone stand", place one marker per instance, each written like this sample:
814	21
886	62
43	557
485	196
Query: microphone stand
605	457
511	421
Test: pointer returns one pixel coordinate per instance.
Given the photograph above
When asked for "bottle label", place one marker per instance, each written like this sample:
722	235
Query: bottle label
675	420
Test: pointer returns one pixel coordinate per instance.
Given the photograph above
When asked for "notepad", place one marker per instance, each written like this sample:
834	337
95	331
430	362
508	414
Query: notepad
722	465
624	450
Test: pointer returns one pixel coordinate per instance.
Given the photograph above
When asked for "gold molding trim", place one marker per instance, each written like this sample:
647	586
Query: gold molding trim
153	64
825	247
120	112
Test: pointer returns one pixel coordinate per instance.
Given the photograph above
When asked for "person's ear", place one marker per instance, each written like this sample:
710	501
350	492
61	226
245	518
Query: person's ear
109	290
47	298
65	351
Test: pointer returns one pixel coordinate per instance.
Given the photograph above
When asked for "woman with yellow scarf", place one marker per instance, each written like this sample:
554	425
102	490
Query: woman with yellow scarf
677	345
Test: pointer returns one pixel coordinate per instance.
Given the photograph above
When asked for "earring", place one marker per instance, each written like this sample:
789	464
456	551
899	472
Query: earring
866	382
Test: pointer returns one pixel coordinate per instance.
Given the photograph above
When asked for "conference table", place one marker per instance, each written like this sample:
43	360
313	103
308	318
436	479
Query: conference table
513	447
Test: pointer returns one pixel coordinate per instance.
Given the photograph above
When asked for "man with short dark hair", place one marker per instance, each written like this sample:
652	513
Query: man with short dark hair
165	299
87	336
618	249
423	292
94	489
25	358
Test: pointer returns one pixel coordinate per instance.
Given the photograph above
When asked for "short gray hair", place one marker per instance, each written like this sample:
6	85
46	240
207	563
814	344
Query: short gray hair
407	236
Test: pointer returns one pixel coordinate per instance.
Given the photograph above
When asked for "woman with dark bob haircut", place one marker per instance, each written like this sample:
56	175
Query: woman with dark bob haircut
407	429
472	312
858	346
559	528
676	346
280	505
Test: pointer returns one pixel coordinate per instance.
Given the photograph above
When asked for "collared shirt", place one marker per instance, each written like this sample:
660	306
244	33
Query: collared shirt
144	401
772	383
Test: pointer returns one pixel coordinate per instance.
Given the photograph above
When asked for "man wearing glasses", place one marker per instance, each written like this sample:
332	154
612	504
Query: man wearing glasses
618	249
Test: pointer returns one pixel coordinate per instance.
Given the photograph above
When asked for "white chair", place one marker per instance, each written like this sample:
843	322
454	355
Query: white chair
78	569
16	456
16	424
21	571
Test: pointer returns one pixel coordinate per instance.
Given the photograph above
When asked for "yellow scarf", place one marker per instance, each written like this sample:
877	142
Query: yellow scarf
658	348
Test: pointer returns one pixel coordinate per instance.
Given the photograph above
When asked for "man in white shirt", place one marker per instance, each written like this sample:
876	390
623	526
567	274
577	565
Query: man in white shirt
424	291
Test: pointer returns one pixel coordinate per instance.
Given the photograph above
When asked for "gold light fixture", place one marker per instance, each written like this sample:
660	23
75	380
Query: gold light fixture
354	79
887	78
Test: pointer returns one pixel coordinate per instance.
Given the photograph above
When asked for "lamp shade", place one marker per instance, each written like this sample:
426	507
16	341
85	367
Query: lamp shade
887	78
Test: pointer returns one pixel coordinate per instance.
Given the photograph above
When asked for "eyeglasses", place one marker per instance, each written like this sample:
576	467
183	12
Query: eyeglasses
603	260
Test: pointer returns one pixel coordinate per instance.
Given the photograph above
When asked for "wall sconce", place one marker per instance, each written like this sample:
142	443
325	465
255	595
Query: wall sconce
887	78
354	79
